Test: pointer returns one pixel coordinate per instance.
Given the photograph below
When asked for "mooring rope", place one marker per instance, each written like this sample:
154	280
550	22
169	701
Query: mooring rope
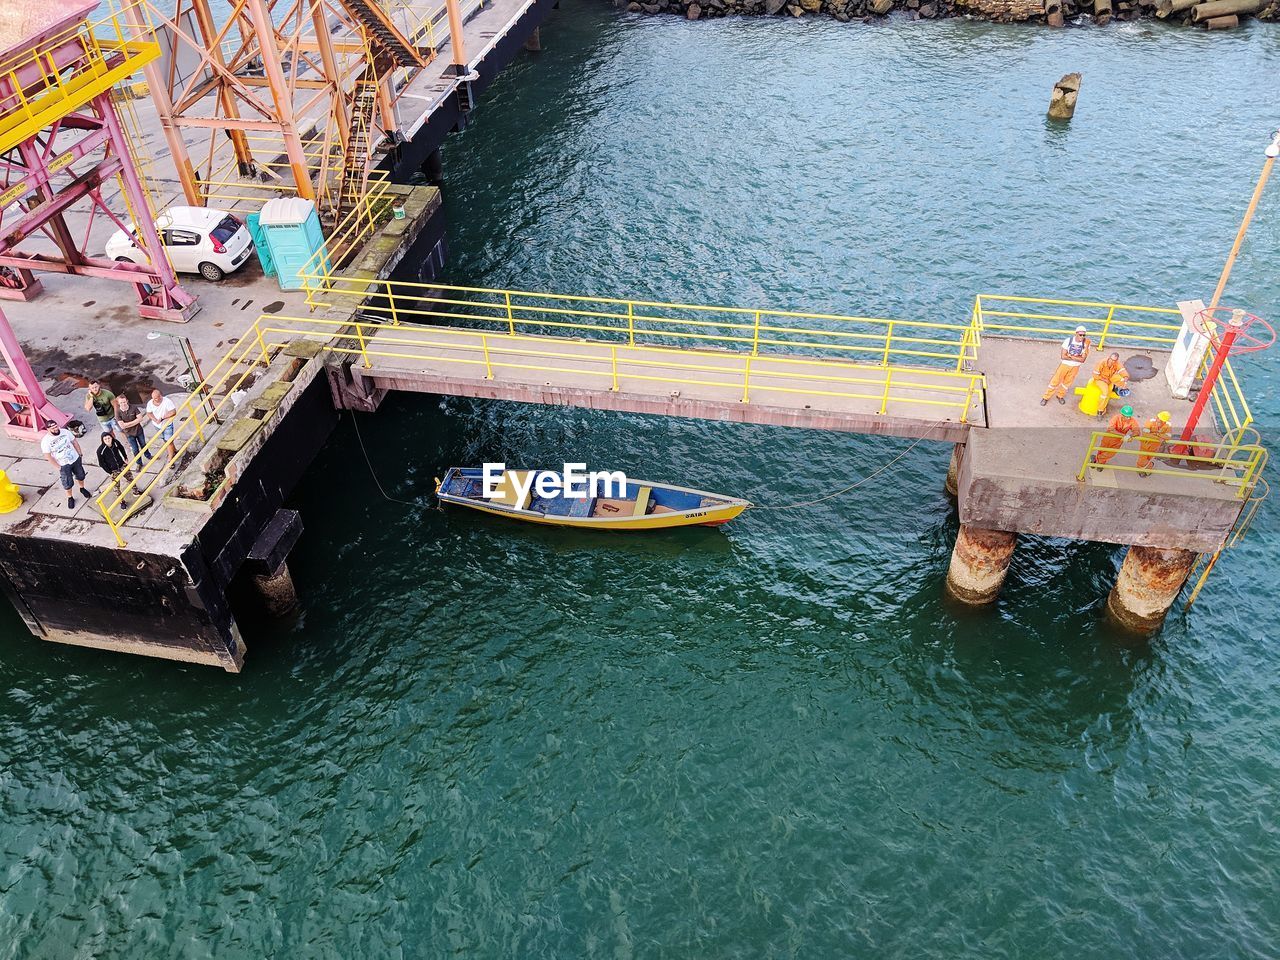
853	486
355	422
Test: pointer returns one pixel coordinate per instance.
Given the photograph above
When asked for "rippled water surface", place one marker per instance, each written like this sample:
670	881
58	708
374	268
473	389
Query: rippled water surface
773	740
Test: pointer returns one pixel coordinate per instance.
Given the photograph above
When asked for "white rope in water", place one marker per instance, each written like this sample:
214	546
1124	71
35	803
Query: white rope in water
355	422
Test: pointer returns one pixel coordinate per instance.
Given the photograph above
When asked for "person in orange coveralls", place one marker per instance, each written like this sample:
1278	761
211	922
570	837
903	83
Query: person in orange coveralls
1111	375
1074	351
1155	434
1121	427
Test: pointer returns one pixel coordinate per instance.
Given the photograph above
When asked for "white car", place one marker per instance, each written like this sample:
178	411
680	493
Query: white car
199	240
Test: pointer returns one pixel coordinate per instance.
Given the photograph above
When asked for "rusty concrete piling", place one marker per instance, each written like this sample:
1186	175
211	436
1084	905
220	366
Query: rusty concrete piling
953	471
979	563
276	591
1149	582
267	566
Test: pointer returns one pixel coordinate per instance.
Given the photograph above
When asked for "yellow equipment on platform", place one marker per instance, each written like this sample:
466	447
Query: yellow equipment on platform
10	497
1092	401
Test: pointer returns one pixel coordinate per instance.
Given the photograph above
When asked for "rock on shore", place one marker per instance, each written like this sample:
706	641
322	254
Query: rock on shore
1216	13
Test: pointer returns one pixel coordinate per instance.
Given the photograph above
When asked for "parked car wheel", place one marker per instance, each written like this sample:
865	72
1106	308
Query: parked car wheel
211	272
123	260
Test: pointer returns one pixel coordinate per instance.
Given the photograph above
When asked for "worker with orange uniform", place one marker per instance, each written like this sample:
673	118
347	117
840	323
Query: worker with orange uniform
1155	434
1121	427
1075	351
1111	375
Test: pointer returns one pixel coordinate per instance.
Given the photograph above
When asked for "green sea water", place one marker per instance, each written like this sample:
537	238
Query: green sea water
771	740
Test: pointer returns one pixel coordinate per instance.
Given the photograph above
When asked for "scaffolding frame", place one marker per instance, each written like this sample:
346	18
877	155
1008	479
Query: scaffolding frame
295	96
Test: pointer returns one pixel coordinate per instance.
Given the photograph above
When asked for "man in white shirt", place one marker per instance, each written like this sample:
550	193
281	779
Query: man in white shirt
62	449
164	415
1075	351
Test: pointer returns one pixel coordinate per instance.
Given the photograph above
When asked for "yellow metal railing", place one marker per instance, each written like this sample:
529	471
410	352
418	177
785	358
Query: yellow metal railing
368	212
35	90
428	30
197	417
752	376
225	184
876	341
1111	325
1236	465
1108	324
610	362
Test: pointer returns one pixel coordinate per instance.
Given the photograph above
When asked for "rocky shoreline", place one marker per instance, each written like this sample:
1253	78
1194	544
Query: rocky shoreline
1210	14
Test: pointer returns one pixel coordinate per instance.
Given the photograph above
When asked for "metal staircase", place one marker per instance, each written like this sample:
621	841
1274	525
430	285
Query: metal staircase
355	166
379	28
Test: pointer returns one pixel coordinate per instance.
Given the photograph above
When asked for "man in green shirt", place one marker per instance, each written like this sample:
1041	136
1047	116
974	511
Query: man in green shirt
103	404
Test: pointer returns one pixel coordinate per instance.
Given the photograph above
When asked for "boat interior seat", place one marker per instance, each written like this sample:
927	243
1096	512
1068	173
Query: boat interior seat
642	501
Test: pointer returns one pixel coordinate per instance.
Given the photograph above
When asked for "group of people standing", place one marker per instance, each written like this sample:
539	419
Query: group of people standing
121	422
1110	375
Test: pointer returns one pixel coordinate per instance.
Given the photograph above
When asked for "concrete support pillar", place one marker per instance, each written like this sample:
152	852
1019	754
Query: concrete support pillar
1149	582
277	591
979	563
266	563
534	43
953	471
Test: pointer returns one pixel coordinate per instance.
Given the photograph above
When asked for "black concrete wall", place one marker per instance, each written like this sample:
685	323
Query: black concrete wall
137	599
173	606
262	488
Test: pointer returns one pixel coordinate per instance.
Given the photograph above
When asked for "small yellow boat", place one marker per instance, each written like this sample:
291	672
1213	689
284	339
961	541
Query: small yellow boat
640	505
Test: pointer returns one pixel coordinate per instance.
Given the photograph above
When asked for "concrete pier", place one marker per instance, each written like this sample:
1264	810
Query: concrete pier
1149	582
979	563
168	592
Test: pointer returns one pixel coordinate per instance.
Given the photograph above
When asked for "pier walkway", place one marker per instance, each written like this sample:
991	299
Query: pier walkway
975	383
861	374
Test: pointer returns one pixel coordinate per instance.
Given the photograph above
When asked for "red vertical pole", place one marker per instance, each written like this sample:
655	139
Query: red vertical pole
1210	378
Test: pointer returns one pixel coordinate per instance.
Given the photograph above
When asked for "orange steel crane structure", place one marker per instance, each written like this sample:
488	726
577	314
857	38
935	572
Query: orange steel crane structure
292	96
61	146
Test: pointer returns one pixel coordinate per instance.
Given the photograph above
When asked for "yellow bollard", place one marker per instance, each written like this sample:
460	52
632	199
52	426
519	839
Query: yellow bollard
1091	400
10	498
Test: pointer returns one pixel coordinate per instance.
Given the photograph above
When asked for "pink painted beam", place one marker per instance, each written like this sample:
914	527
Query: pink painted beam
78	189
40	407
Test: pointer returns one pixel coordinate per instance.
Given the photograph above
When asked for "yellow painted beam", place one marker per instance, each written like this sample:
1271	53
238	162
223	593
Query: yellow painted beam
60	98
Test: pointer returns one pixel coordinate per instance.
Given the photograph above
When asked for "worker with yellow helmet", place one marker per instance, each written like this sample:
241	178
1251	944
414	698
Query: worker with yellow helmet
1154	435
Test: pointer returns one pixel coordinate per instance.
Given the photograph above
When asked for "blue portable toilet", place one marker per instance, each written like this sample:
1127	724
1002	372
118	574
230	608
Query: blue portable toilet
291	228
260	246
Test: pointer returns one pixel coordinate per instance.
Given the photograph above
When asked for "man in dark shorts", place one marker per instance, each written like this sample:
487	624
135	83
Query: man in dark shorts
62	449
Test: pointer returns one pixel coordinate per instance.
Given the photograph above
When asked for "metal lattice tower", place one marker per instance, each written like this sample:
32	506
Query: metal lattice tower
282	96
62	144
